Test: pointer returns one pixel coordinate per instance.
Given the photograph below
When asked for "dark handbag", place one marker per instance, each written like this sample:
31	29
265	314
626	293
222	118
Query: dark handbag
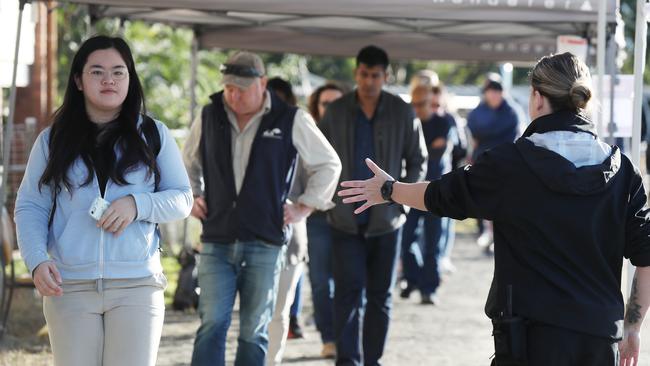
186	295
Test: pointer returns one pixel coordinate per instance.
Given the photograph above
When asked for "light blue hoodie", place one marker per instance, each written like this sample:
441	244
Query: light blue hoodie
81	250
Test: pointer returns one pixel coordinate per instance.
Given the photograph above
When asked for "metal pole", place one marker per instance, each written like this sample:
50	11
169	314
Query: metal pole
639	69
600	62
506	78
640	44
8	133
194	60
307	88
613	81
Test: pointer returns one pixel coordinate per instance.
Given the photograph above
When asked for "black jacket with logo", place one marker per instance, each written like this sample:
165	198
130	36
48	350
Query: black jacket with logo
560	232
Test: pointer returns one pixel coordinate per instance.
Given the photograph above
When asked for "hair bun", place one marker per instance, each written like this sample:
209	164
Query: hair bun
580	94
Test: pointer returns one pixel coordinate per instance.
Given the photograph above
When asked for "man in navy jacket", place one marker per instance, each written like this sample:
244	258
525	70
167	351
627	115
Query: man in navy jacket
241	156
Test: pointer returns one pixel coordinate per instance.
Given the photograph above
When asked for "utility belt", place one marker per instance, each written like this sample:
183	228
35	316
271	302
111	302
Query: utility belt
509	334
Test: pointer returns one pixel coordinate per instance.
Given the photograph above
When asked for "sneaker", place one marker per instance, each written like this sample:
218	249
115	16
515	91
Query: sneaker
485	239
406	290
446	266
295	331
328	350
489	250
429	299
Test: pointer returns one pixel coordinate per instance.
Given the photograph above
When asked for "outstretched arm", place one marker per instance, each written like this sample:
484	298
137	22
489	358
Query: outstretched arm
409	194
474	191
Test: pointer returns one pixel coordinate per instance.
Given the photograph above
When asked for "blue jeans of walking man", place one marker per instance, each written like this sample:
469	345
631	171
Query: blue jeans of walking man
364	274
252	269
320	275
422	243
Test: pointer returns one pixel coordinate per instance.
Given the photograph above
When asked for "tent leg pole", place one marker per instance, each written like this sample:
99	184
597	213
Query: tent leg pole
8	132
600	62
640	45
194	59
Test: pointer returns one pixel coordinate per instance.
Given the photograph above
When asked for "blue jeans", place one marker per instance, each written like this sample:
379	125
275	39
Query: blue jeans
362	266
252	269
296	306
420	258
448	237
320	274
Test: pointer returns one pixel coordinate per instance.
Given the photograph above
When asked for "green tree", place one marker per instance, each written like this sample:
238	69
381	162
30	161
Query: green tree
628	12
332	68
162	57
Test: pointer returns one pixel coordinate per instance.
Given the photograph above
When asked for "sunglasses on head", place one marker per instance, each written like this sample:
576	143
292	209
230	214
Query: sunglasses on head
239	70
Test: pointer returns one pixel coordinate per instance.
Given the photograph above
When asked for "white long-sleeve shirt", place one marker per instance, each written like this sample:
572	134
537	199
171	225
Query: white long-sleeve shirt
318	157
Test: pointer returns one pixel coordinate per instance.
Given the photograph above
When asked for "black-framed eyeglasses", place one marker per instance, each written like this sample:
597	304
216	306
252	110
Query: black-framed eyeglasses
240	70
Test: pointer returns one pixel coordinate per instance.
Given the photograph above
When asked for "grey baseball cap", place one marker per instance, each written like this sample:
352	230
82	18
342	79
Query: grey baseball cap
241	69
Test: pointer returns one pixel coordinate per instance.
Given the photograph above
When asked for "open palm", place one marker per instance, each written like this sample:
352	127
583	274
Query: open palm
368	190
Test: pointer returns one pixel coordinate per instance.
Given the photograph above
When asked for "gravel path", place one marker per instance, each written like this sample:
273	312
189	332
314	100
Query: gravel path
454	333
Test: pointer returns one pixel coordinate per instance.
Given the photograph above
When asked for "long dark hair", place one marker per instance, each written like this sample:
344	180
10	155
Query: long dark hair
73	134
314	98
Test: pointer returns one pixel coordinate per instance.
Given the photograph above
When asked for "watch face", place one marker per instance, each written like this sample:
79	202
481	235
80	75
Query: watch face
386	190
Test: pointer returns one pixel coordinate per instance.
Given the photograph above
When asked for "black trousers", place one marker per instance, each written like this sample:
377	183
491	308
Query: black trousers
553	346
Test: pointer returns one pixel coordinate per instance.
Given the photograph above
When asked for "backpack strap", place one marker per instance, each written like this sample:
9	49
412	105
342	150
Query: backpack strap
150	131
152	135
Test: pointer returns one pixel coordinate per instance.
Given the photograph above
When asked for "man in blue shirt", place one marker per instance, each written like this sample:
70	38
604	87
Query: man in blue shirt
492	123
368	123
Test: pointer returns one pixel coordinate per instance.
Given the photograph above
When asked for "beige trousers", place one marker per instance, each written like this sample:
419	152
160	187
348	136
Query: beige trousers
279	325
107	323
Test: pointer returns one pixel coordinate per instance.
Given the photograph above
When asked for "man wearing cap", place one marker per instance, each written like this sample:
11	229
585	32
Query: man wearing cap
240	156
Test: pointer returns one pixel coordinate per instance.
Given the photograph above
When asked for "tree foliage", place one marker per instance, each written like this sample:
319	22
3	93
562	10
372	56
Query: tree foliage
162	55
628	12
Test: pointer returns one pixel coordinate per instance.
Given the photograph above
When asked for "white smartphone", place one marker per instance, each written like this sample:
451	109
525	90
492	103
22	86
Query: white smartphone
98	207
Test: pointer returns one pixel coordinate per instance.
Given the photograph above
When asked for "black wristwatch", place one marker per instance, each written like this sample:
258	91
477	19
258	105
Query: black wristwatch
387	190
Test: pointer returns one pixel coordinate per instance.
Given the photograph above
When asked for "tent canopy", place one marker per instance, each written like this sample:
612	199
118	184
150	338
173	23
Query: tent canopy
463	30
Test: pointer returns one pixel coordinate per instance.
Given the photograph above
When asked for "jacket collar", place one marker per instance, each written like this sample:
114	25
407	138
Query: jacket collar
561	121
355	106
